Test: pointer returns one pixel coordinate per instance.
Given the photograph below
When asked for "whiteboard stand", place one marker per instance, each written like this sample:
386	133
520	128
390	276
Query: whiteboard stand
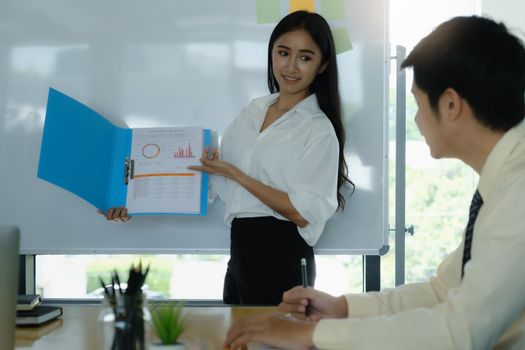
400	166
371	273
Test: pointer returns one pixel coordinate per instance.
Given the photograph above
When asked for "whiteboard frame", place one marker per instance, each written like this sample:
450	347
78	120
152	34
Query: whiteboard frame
28	19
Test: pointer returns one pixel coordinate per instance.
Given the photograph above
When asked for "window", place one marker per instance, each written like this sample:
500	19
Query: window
192	276
437	192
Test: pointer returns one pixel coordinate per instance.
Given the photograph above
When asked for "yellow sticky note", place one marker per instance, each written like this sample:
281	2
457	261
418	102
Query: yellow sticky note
296	5
268	11
342	40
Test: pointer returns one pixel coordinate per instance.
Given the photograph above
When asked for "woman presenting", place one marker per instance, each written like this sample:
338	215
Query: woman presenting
280	166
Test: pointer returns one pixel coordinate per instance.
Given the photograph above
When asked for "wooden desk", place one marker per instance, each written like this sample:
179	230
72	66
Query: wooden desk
80	329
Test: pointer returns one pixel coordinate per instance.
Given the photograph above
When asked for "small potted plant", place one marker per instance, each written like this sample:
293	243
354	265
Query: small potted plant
168	324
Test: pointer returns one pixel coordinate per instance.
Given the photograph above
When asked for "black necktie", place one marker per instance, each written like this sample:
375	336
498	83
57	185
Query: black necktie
475	205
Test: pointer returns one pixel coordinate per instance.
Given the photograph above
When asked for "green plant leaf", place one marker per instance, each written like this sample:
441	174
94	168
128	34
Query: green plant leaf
169	321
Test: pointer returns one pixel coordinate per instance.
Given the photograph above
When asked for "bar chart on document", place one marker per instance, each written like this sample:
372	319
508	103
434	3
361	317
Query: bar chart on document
160	175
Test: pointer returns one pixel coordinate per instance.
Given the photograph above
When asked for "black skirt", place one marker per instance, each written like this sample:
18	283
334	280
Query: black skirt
265	261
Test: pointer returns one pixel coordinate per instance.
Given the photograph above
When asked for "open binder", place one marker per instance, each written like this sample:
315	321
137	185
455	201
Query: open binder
143	169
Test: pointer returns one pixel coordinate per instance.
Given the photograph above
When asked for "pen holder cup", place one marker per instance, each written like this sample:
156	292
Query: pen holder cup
124	321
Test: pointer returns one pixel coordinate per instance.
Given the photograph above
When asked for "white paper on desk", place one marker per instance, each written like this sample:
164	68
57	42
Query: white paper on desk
161	178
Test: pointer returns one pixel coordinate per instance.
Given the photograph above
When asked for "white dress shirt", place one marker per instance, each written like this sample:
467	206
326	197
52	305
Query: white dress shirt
485	310
297	154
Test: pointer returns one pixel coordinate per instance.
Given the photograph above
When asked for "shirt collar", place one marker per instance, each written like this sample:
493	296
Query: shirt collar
307	107
497	157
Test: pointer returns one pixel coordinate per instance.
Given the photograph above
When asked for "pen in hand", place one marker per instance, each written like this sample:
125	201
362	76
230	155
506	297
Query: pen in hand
304	276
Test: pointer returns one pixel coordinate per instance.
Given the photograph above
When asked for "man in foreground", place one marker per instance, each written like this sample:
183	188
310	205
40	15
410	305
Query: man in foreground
469	84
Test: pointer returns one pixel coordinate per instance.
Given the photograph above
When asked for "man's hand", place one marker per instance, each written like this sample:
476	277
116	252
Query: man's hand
271	329
321	305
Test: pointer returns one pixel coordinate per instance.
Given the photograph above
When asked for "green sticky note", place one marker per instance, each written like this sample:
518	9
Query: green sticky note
268	11
332	9
342	40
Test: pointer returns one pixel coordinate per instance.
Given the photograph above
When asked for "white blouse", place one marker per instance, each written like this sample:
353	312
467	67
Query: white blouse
297	154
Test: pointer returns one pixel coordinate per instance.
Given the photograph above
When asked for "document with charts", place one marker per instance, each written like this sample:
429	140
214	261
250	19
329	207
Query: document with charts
143	169
160	177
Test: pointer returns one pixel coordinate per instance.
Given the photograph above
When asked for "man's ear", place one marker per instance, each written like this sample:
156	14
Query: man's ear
450	104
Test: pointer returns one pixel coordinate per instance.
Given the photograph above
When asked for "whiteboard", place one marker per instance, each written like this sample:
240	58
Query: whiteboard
171	63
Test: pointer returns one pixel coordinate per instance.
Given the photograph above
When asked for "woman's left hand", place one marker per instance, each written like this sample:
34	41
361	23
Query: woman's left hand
213	165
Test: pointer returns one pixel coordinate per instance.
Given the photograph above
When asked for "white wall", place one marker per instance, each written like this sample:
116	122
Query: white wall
511	12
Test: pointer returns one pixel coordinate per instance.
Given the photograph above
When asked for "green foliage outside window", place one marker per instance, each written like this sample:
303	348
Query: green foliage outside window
437	197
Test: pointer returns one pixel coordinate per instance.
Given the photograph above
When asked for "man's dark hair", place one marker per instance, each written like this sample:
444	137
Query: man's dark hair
479	59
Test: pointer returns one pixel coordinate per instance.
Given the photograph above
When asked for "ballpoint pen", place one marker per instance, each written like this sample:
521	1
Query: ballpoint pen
304	276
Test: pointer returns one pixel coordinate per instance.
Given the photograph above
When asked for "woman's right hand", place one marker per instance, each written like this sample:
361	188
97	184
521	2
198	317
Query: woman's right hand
117	214
319	304
211	164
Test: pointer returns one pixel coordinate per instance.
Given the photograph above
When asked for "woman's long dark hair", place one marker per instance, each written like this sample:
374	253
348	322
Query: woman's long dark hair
325	85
